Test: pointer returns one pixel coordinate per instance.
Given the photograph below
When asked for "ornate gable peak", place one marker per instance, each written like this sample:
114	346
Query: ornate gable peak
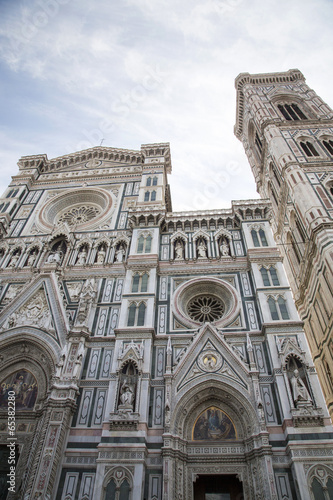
206	335
287	347
133	351
200	234
223	232
179	235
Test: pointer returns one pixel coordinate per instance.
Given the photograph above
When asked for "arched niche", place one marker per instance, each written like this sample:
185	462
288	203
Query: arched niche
230	402
31	358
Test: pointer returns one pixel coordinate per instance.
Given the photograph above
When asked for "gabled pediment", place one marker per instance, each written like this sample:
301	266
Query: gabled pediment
210	357
38	305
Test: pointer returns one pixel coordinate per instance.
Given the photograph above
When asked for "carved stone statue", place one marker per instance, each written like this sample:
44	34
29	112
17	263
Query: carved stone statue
202	249
77	367
120	253
87	297
300	392
32	258
55	257
82	257
101	255
179	251
60	365
224	248
14	260
126	396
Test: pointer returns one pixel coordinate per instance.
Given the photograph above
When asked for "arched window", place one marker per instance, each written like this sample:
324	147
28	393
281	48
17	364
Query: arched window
309	148
148	183
131	315
124	490
144	282
141	242
269	276
263	238
291	112
274	276
318	490
153	196
110	491
141	314
255	239
144	244
9	194
147	196
283	308
140	283
264	275
273	309
148	244
328	143
155	181
278	308
136	314
135	283
258	143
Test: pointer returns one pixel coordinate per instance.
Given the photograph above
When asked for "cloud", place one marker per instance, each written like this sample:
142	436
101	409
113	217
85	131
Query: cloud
139	71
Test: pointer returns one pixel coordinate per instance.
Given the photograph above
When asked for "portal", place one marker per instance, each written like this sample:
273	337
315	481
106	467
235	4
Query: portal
217	487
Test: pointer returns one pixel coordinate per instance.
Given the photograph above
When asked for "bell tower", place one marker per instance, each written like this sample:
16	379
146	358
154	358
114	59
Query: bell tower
287	133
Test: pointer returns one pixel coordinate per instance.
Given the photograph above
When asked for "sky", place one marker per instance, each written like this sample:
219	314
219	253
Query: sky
76	74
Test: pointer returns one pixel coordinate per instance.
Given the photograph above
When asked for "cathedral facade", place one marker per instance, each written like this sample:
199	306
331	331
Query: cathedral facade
150	354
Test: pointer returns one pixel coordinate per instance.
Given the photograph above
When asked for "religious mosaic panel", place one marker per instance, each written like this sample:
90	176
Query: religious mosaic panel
24	384
213	424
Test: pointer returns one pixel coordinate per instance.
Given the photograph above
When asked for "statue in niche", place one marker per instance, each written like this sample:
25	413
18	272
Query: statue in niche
179	250
82	256
202	249
126	396
32	257
77	367
120	253
87	297
128	380
224	248
101	255
60	365
300	392
14	260
55	256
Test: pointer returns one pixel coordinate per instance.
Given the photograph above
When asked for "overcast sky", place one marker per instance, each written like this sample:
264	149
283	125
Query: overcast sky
132	72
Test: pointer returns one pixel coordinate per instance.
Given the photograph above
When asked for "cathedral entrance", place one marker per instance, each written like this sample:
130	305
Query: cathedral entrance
217	487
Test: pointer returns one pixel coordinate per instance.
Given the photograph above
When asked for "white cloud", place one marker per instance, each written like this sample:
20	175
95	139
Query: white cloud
140	71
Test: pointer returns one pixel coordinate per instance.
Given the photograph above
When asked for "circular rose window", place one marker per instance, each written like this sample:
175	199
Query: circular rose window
78	215
83	207
205	308
204	300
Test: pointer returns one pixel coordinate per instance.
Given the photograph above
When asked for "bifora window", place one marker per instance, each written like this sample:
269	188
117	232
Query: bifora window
309	148
291	112
205	308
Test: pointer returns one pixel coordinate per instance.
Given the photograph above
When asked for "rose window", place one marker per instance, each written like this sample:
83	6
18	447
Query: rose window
81	208
79	215
205	308
205	300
